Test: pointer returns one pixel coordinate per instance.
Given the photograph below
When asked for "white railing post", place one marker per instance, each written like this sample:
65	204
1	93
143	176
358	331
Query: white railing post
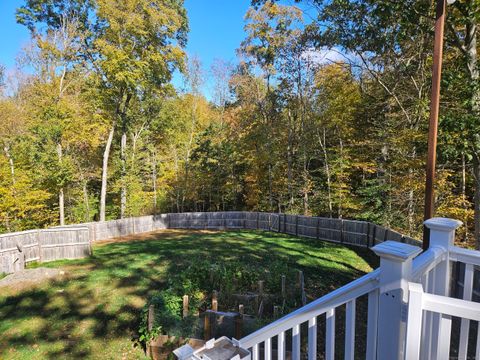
442	234
395	273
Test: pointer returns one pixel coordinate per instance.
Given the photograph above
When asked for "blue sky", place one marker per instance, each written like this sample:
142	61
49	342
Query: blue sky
13	36
216	30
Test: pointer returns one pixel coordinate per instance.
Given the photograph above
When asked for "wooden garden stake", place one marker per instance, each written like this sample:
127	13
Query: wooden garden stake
239	322
151	317
260	309
276	311
260	287
299	278
150	321
215	301
185	306
206	328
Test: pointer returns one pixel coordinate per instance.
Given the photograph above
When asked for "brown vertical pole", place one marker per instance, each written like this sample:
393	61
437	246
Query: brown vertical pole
433	124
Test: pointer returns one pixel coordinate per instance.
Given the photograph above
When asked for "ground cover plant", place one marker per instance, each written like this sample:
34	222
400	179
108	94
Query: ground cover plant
94	310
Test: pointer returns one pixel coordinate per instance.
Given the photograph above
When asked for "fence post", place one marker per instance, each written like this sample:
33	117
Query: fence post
395	273
442	234
40	257
258	219
368	234
341	230
296	225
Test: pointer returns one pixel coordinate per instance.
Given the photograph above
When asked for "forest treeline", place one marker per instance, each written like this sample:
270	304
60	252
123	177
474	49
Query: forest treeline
321	115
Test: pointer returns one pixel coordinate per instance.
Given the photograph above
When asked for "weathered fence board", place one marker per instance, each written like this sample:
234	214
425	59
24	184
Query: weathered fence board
64	243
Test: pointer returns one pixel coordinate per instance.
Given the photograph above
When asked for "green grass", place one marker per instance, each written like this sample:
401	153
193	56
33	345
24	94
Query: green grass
94	310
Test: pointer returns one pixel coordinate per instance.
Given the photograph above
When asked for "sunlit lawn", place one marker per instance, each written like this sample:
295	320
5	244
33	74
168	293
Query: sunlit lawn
93	311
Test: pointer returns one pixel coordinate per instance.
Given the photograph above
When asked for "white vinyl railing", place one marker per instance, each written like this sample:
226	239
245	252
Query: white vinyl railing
308	314
443	308
407	281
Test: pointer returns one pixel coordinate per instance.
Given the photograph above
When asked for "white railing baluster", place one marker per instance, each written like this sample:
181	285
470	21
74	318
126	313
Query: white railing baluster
281	346
255	352
296	342
444	337
350	331
477	352
414	323
330	338
428	328
268	349
465	326
312	338
372	325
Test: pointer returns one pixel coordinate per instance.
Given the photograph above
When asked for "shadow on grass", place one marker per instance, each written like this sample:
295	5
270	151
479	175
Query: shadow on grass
101	299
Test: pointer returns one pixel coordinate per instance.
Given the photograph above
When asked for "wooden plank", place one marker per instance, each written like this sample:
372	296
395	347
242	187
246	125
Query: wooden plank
296	225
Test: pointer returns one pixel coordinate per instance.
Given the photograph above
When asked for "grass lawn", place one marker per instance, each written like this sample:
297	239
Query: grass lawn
93	311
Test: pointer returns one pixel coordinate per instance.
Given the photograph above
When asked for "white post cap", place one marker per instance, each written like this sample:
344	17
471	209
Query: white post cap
396	251
442	224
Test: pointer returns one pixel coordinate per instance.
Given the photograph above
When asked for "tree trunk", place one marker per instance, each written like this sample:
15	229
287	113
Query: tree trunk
103	192
6	149
154	182
323	145
61	197
290	162
464	198
411	198
85	199
123	195
340	192
472	65
476	175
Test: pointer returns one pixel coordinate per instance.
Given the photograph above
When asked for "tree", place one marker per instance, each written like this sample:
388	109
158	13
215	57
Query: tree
131	46
139	46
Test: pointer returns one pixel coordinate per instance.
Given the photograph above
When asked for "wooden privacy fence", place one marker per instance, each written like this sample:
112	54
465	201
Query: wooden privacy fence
17	249
352	232
74	241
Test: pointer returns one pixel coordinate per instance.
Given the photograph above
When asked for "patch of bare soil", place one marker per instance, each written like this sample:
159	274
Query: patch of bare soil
154	235
29	277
